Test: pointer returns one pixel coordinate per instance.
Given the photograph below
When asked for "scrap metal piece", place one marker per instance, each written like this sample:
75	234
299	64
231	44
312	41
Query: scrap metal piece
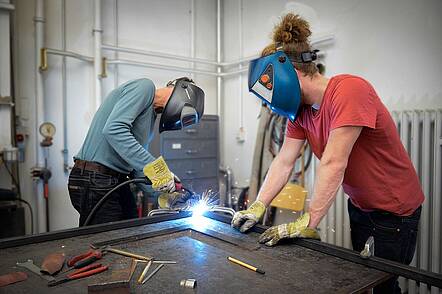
12	278
188	283
160	261
152	273
29	264
368	250
114	287
133	267
53	263
143	274
126	253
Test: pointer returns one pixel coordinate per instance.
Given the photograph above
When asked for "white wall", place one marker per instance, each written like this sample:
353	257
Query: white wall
163	26
396	45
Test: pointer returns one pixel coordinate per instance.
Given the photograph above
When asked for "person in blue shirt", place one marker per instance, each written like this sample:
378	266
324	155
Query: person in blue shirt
116	145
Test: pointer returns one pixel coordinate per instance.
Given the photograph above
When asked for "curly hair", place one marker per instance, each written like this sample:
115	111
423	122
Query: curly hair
292	34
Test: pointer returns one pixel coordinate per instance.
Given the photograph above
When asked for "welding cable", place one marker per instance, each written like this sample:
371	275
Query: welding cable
108	194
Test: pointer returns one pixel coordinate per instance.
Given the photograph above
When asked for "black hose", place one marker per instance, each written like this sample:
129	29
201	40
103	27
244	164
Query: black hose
108	194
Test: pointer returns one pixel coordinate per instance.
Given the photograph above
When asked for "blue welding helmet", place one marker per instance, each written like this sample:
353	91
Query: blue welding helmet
274	80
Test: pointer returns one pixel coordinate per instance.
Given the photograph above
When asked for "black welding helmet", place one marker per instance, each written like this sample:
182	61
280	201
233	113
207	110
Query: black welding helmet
185	106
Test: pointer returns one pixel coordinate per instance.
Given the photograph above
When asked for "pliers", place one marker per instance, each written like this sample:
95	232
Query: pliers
84	259
81	273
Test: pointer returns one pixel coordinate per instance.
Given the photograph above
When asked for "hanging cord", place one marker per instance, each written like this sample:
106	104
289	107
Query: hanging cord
97	206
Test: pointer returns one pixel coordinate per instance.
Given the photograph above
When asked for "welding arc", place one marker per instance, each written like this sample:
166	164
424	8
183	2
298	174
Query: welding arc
108	194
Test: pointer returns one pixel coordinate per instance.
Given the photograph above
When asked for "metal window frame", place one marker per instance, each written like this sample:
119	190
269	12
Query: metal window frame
381	264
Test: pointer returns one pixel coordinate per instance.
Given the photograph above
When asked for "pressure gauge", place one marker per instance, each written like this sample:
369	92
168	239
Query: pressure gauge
47	130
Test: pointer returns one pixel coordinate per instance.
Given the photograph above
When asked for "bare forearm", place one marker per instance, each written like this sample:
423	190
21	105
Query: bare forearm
276	179
328	180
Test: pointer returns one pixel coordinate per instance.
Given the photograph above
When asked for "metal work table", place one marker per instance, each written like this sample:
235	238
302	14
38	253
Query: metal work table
201	249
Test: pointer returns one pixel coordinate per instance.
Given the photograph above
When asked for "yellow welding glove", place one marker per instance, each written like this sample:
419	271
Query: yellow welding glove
297	229
174	200
163	180
246	219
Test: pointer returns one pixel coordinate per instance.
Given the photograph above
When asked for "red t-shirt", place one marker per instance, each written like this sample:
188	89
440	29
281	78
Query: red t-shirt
379	174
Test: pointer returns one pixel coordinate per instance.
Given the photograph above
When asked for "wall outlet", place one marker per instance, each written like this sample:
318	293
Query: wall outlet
241	135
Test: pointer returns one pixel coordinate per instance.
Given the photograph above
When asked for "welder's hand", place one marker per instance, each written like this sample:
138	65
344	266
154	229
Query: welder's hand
163	180
246	219
175	200
297	229
169	186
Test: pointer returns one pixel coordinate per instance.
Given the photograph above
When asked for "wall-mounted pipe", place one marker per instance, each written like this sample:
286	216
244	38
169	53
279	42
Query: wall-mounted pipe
7	6
192	34
160	66
217	63
116	55
219	78
97	31
39	21
69	54
240	81
64	93
158	54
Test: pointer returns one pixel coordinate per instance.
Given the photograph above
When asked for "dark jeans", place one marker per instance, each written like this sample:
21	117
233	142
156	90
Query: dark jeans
394	238
86	188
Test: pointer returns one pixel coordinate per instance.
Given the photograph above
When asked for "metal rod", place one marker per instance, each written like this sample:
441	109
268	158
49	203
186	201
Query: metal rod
133	267
128	254
152	273
145	270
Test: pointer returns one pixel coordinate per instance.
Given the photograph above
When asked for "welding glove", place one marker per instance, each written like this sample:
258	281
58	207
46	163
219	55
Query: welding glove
175	200
246	219
297	229
163	180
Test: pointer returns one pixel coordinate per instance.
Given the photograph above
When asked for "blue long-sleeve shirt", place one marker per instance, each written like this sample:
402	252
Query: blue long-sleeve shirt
122	128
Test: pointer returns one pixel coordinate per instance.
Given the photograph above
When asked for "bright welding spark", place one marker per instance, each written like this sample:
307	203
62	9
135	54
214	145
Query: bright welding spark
200	208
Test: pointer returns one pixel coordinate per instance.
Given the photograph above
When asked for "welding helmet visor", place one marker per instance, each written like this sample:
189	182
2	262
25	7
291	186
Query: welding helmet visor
185	106
274	80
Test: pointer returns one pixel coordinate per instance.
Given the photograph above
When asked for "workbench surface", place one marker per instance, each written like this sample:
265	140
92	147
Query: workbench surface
289	268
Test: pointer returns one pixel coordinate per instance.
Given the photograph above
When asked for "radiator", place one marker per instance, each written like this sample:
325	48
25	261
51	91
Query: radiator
421	134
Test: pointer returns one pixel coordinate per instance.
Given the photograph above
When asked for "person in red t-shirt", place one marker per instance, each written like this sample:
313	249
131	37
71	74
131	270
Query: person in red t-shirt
355	138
